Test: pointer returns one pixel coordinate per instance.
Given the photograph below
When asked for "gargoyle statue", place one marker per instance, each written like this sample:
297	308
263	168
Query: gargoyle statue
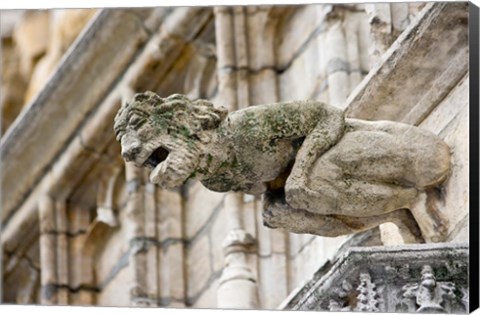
319	172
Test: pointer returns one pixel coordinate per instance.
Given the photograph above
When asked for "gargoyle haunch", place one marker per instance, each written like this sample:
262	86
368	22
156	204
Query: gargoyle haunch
319	172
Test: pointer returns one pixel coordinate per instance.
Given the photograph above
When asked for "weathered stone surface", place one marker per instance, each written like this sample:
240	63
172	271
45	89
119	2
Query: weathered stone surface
75	162
208	298
450	107
272	280
237	285
291	88
316	252
13	82
110	254
380	19
264	87
24	136
172	275
32	36
82	297
440	211
210	202
199	266
411	278
217	234
390	234
172	63
81	271
337	65
347	176
65	26
169	222
379	96
23	284
294	33
111	296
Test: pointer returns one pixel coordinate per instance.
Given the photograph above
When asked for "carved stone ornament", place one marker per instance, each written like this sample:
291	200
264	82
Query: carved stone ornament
372	279
319	172
428	295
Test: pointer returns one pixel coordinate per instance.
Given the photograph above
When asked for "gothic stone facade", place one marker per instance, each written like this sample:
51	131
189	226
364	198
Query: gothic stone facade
81	227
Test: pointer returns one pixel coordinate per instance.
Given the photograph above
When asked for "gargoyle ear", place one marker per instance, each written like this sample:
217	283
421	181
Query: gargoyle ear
148	97
208	116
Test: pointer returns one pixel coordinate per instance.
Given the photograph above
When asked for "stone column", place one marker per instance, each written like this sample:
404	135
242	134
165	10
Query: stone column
400	17
151	254
48	254
135	234
380	29
387	21
62	254
337	64
135	228
54	260
237	288
172	289
225	57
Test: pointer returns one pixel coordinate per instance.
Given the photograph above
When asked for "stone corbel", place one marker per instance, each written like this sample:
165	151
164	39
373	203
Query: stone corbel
105	195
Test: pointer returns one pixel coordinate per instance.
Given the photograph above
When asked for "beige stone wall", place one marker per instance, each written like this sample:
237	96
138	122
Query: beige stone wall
449	206
32	45
135	244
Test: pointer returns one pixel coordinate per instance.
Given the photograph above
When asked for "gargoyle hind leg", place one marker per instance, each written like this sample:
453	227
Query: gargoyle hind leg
278	214
326	190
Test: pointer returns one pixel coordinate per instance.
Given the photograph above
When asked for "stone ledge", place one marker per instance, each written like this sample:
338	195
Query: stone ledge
393	277
433	48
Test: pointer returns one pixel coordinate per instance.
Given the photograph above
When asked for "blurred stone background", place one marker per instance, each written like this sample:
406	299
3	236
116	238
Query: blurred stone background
82	228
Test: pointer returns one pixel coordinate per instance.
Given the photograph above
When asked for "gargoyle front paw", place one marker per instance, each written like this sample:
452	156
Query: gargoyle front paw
275	213
268	219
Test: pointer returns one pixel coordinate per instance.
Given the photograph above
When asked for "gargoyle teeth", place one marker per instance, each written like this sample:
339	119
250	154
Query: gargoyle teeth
157	157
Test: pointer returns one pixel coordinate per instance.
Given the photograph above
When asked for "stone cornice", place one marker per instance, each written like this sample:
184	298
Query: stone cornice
392	271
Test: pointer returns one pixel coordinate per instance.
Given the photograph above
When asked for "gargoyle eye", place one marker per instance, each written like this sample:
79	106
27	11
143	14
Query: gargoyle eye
136	121
119	134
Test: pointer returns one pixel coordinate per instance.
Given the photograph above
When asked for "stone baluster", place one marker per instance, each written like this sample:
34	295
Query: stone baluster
237	287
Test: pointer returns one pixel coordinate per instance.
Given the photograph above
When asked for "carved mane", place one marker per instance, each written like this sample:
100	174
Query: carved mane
177	113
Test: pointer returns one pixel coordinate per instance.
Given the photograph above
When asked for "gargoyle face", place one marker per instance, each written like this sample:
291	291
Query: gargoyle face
163	135
142	143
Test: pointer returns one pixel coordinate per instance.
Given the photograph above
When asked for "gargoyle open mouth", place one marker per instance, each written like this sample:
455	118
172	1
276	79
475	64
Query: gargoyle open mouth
157	157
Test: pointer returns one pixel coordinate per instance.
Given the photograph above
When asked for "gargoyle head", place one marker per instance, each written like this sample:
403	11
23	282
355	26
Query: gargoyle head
165	134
